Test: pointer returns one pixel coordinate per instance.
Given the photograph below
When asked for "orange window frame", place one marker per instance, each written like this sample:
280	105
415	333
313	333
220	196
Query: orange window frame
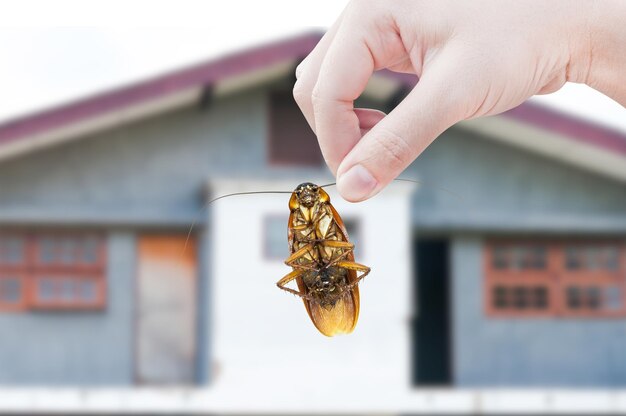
586	278
555	278
22	302
32	270
524	278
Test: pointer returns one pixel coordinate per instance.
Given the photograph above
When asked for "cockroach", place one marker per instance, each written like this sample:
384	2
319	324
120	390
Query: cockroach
321	258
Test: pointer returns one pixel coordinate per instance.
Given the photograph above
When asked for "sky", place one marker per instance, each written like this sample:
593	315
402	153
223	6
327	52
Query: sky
56	52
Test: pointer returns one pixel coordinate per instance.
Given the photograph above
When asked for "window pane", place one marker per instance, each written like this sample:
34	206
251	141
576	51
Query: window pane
12	250
592	297
10	290
68	250
500	258
276	245
89	251
520	257
574	297
573	258
520	298
47	250
592	257
613	298
540	297
67	290
87	291
500	297
46	289
538	257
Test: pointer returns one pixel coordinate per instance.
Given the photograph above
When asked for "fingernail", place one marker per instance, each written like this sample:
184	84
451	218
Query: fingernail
356	184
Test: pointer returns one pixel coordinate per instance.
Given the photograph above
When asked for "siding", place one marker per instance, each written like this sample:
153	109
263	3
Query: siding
151	172
147	175
89	348
526	352
503	189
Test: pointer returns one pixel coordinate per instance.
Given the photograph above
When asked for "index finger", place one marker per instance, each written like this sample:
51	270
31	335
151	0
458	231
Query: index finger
343	76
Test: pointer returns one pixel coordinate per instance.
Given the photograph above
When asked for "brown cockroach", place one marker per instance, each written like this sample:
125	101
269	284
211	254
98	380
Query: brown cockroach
322	258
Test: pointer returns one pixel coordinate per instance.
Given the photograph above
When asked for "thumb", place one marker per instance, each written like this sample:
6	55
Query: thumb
390	146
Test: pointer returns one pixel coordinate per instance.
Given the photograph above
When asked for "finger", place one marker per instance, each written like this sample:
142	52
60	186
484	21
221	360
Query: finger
368	117
343	76
307	72
393	143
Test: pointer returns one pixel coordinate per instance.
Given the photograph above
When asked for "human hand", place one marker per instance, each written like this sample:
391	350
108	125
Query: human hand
473	58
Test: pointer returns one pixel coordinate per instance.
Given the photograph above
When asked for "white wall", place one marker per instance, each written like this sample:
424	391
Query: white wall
268	355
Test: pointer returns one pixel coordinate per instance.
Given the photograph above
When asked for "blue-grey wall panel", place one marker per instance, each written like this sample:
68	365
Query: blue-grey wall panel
526	352
86	348
502	188
148	172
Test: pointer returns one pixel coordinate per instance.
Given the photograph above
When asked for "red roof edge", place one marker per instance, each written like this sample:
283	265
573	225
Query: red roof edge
574	128
203	74
210	72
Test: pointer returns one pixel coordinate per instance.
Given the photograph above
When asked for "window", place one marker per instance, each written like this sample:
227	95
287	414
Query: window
555	278
276	246
291	140
52	271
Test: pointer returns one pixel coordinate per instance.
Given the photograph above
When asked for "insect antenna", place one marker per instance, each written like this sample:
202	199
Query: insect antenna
429	185
206	205
454	194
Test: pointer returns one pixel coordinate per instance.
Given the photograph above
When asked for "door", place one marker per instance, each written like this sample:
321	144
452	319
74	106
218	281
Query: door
166	312
431	348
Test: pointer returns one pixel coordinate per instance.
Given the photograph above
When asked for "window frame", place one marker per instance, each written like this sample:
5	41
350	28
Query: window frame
32	270
22	303
517	278
556	278
590	278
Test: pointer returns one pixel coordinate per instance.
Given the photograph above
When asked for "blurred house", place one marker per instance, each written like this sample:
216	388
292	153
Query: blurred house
505	268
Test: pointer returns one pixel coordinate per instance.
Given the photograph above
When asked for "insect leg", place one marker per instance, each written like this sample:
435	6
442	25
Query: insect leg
350	265
294	274
292	260
346	245
303	227
299	227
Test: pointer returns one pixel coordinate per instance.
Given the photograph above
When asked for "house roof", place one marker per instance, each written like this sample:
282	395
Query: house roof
530	126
